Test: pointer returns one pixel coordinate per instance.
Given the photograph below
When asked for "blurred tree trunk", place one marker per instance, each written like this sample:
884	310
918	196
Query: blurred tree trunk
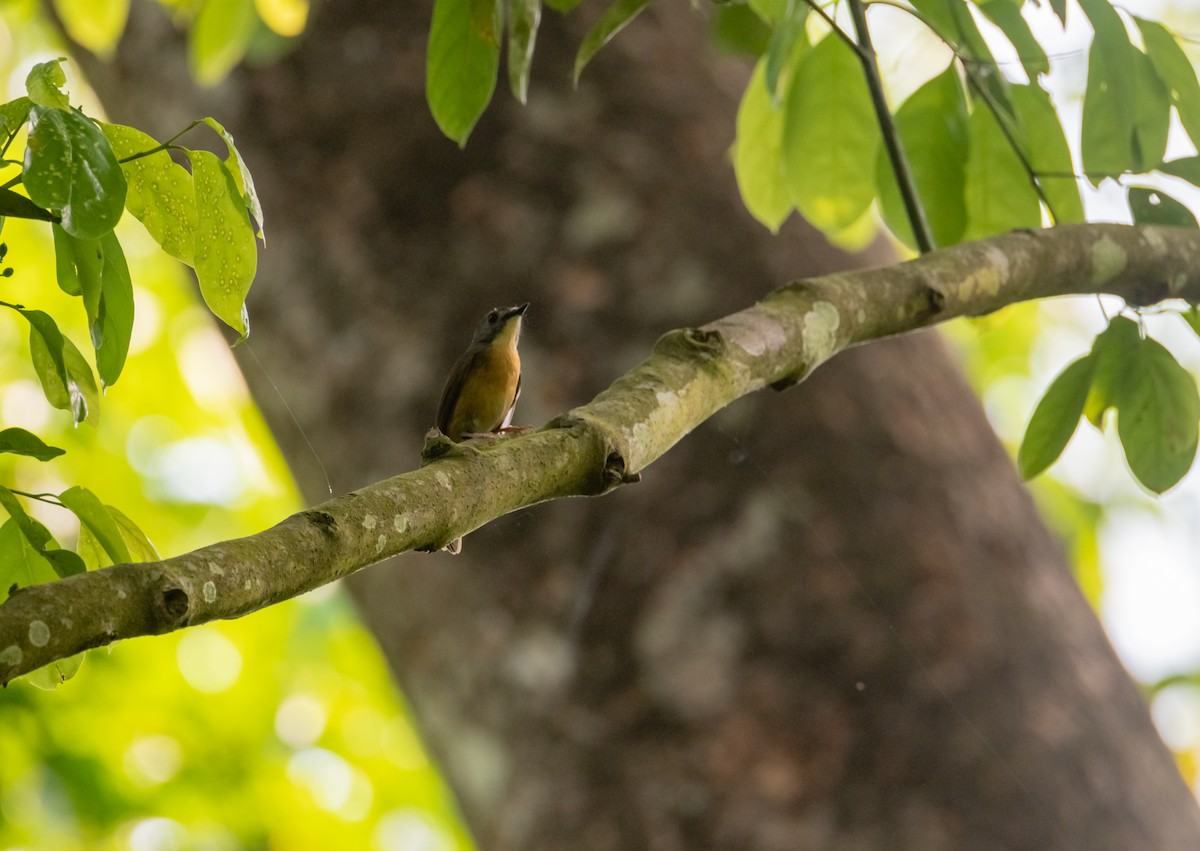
829	619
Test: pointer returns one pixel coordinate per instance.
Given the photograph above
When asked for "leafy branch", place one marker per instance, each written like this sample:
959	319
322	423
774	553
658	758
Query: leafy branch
691	374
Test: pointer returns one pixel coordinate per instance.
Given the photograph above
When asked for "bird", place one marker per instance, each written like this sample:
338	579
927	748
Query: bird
484	383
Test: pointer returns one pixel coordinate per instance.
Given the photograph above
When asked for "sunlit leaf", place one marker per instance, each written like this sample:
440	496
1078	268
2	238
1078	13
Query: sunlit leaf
462	63
218	38
70	169
285	17
1045	147
757	154
781	47
241	176
117	313
14	114
93	514
50	677
139	546
95	24
160	192
933	127
1151	206
46	344
18	441
619	15
523	19
226	253
44	84
20	563
1055	418
1158	417
71	388
38	537
999	195
829	132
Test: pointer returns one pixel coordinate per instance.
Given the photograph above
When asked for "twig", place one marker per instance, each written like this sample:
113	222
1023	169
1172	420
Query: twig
891	136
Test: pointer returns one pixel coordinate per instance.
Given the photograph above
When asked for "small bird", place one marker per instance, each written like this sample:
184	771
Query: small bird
484	383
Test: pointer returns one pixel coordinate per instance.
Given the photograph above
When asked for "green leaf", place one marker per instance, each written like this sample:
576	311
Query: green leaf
95	516
932	124
787	35
44	84
226	253
523	19
1114	349
139	546
160	193
1110	100
70	168
757	154
18	441
953	23
79	264
563	5
241	176
50	677
14	114
95	24
769	11
614	19
829	132
19	207
64	263
62	562
737	29
1152	113
1152	206
462	62
1006	15
1045	147
999	196
117	314
71	388
46	344
1158	417
1187	168
20	563
1055	418
1176	70
218	38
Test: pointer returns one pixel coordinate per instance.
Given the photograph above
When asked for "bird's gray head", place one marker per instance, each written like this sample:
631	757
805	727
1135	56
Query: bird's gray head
501	322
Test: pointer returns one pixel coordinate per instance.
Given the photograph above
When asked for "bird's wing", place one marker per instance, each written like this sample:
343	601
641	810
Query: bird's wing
454	385
512	406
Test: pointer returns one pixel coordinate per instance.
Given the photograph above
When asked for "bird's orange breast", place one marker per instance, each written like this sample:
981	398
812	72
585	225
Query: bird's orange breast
488	393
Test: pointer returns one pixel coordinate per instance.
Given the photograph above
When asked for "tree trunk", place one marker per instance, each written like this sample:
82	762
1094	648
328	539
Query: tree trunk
829	619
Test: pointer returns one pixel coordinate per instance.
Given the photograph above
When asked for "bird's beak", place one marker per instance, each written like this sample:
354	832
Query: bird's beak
519	310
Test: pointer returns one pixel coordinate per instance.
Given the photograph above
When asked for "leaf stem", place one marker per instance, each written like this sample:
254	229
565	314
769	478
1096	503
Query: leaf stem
165	146
48	498
891	136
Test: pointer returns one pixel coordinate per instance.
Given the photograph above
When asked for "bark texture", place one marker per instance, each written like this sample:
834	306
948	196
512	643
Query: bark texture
829	619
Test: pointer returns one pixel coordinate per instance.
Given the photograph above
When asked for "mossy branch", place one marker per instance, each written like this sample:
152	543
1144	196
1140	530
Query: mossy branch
690	375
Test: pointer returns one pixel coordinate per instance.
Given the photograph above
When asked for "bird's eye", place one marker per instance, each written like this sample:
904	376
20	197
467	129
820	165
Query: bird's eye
493	316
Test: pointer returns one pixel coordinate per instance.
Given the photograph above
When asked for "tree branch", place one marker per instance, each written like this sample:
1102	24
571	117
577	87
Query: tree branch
691	374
